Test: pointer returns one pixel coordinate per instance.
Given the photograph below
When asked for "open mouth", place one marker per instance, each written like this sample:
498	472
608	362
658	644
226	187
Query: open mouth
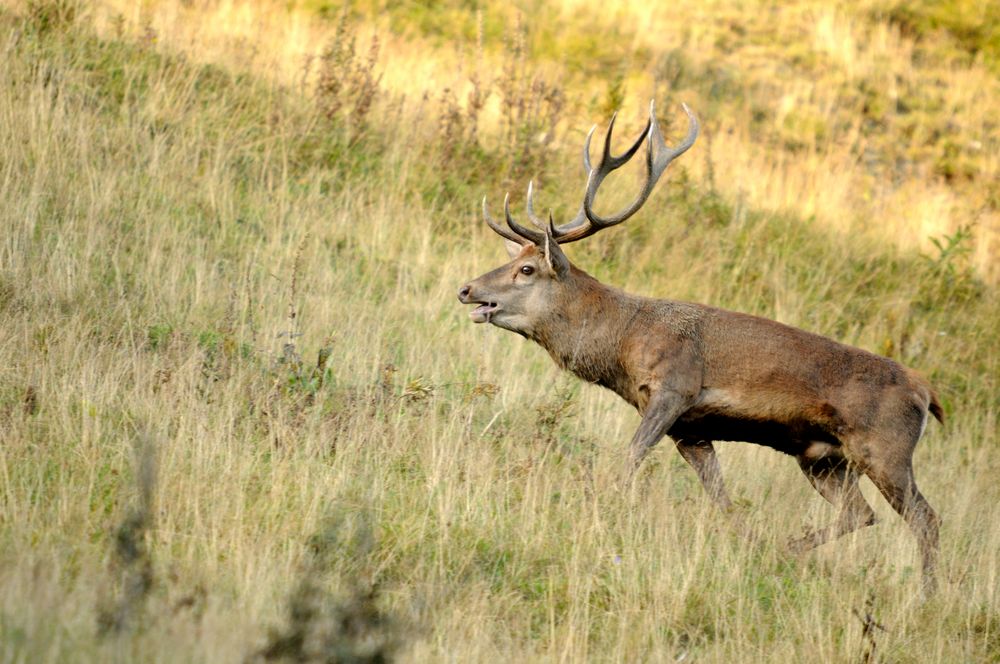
484	312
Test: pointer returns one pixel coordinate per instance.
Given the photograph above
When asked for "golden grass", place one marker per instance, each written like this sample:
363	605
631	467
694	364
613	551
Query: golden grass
156	215
795	60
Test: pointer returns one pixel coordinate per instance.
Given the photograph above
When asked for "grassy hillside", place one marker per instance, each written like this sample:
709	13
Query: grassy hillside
244	418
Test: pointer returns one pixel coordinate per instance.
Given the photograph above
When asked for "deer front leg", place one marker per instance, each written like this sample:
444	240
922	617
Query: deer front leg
661	412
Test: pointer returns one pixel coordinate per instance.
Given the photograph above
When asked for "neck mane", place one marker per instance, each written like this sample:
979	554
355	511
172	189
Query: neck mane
584	330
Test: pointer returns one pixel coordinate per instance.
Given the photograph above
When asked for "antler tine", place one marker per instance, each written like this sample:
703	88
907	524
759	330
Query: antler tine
658	157
666	155
586	150
533	236
609	162
530	207
500	230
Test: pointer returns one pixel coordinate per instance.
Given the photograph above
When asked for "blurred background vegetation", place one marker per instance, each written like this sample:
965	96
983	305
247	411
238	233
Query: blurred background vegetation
244	418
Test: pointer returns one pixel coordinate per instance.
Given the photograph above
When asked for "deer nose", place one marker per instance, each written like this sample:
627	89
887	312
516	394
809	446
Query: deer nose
463	293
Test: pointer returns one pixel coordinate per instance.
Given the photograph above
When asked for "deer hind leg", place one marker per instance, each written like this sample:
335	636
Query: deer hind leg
837	482
701	455
898	485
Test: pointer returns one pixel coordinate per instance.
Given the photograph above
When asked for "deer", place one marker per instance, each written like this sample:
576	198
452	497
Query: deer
700	374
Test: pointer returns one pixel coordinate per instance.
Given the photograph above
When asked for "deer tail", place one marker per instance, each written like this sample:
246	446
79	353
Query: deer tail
935	407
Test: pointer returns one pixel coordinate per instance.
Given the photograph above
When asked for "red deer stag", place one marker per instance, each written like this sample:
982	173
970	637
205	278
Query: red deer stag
700	374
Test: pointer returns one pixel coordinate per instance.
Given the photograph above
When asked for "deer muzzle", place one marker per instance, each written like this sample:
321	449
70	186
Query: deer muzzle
481	314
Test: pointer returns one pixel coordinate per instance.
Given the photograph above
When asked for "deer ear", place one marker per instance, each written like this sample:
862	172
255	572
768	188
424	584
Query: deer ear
555	258
513	248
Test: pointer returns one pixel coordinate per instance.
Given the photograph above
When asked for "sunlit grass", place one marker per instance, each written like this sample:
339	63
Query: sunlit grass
853	83
164	216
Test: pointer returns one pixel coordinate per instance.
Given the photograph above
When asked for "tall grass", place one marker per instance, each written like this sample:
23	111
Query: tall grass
207	267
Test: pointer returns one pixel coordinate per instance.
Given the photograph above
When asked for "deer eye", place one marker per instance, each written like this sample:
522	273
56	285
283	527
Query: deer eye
527	269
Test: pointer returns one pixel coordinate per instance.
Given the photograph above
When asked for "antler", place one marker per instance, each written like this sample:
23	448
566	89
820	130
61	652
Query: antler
587	222
658	157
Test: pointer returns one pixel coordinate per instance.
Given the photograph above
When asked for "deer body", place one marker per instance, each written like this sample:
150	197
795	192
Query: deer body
700	374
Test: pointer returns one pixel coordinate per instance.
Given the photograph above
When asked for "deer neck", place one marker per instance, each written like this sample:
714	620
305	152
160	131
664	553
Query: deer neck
584	330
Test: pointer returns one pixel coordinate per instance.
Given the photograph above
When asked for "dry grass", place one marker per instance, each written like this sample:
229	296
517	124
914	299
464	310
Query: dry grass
818	108
164	218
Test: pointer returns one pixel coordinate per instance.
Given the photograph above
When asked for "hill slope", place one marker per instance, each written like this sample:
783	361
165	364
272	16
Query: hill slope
243	415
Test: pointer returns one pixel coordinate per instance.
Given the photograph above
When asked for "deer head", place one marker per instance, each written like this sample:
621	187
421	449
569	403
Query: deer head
539	279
